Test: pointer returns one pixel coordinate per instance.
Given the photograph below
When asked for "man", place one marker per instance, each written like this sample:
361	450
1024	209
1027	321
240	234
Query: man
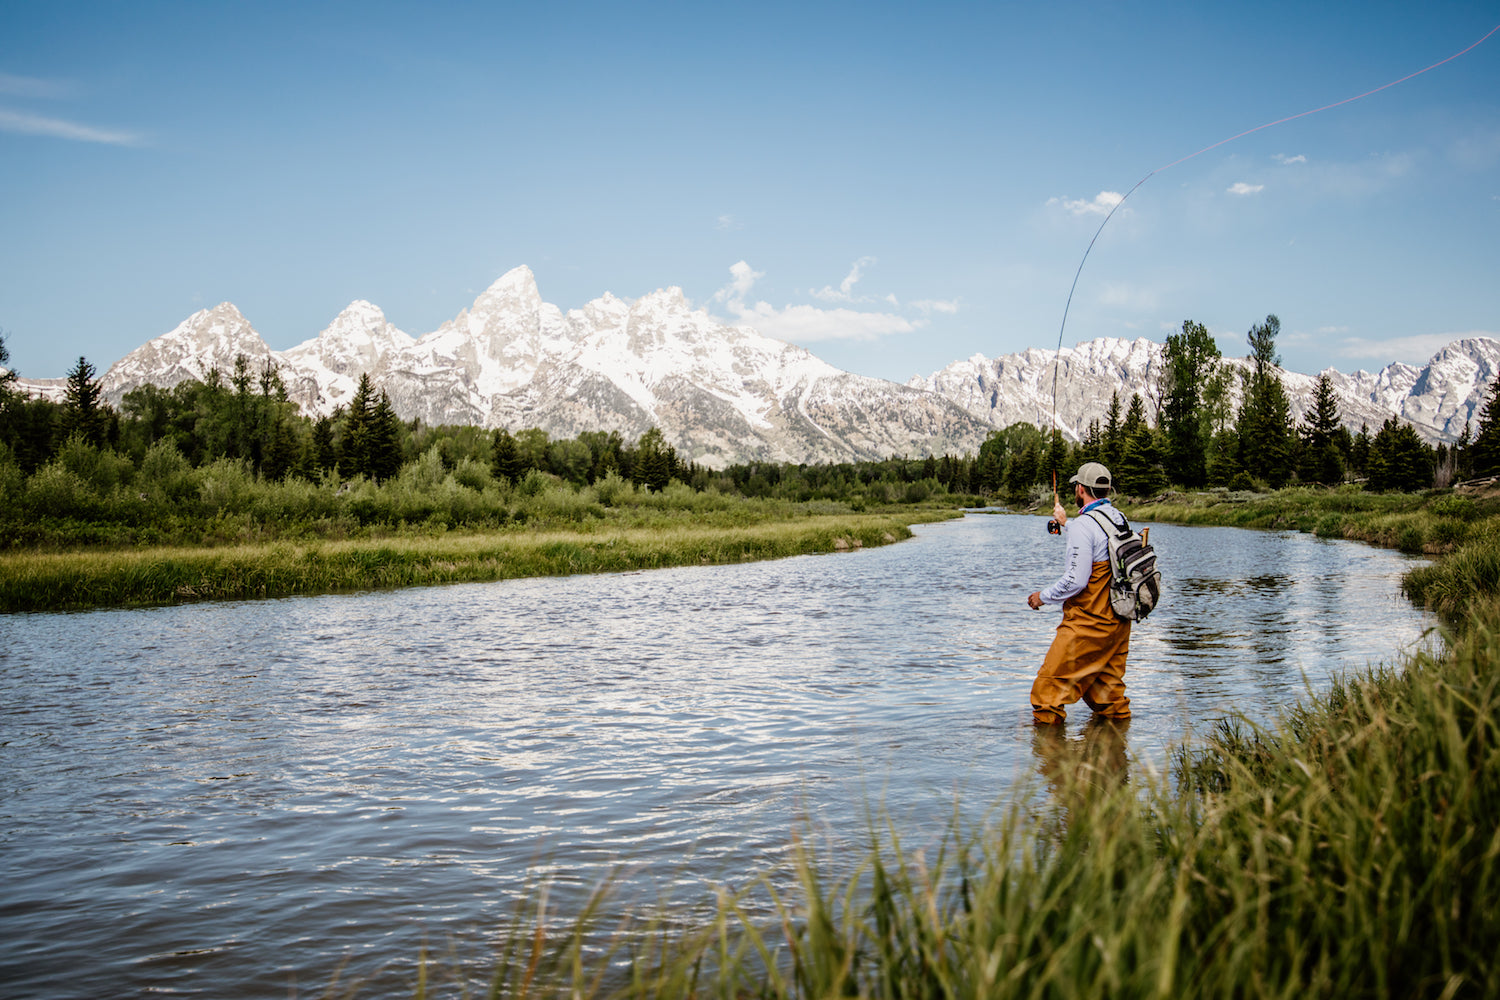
1087	658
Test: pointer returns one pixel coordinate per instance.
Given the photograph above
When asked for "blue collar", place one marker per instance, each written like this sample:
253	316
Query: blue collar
1094	504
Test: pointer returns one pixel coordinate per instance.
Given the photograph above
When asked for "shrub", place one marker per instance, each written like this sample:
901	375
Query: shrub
1448	532
101	469
474	475
56	491
163	466
226	487
1454	506
1410	539
614	490
1330	526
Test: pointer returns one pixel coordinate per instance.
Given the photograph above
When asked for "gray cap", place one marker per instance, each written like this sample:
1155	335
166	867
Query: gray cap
1093	477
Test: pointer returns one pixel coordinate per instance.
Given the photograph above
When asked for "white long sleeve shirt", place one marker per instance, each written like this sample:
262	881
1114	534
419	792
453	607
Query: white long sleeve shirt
1087	544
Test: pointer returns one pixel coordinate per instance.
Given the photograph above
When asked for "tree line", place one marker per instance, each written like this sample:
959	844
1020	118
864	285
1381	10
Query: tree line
1188	436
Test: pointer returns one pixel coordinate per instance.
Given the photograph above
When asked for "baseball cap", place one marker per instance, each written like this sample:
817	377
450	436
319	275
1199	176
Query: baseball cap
1093	477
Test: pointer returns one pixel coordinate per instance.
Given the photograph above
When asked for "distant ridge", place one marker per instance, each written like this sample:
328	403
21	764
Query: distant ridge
725	394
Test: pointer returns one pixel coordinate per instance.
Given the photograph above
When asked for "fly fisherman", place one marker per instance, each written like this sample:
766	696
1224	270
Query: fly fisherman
1087	658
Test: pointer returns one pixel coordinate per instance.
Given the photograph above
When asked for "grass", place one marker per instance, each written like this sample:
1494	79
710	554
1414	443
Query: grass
1434	523
48	581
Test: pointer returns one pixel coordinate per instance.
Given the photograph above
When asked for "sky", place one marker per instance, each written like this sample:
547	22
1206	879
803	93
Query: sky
893	186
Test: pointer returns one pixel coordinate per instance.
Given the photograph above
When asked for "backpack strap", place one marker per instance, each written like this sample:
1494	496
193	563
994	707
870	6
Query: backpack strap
1121	531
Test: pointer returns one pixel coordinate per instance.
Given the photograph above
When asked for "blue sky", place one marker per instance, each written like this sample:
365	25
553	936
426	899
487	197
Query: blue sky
893	186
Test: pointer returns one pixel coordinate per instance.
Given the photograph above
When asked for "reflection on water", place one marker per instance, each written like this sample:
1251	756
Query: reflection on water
228	799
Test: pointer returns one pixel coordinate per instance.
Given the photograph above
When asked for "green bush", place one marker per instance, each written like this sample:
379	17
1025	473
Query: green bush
1455	506
56	491
474	475
1448	532
1330	526
100	468
226	487
1410	539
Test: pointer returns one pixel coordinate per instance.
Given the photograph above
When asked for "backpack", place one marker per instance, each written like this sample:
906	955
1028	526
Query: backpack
1135	582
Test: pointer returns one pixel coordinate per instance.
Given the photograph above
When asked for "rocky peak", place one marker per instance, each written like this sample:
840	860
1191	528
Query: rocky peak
357	341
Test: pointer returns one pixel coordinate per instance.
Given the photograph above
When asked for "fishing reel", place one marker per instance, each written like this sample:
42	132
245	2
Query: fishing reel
1053	528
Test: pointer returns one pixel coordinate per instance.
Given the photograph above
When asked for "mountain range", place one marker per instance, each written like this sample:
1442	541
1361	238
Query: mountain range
725	394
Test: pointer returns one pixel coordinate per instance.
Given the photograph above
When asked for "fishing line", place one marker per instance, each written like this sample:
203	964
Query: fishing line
1057	360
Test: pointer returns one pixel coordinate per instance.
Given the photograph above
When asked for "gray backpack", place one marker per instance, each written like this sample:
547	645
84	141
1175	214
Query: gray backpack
1135	582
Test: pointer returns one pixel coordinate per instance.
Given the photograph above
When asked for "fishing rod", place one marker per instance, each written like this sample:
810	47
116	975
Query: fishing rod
1057	358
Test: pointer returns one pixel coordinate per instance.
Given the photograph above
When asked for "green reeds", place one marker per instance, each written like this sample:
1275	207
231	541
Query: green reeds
56	581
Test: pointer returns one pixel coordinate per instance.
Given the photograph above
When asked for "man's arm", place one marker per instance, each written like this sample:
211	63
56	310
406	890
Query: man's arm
1076	570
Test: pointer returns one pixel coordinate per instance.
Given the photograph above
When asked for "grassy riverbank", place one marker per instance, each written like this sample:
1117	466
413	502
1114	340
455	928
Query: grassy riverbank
1435	522
114	577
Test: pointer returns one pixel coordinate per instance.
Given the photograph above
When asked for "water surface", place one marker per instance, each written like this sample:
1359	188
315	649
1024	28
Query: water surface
231	800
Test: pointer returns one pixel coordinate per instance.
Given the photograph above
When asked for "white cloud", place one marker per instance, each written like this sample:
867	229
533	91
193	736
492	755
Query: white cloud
726	223
1416	349
801	324
948	306
1127	296
845	291
1241	188
30	86
745	278
1287	161
16	121
805	324
1104	202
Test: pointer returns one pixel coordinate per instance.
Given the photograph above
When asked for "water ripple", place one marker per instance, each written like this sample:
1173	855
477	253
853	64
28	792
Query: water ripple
231	799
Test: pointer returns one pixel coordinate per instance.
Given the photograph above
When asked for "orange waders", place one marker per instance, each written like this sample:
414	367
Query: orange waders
1087	658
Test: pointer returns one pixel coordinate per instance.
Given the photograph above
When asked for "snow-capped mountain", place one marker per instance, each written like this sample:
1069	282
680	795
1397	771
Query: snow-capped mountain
209	338
1438	399
723	394
324	372
719	394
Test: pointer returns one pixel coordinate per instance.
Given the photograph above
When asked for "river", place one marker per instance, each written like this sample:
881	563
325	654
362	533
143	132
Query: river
237	799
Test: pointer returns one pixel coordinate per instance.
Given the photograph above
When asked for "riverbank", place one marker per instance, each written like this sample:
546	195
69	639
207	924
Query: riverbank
1435	522
54	581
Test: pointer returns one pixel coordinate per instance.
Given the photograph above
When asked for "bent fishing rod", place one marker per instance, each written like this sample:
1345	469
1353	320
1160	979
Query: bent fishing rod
1057	358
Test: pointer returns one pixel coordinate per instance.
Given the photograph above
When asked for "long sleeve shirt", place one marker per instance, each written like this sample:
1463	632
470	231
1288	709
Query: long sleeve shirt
1086	545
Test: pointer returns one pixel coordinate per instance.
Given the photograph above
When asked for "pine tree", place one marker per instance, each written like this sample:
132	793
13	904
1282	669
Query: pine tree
1320	425
1190	359
1025	469
324	455
1265	423
84	410
1140	473
383	440
1484	453
354	452
1114	435
1399	459
9	397
656	460
505	462
991	475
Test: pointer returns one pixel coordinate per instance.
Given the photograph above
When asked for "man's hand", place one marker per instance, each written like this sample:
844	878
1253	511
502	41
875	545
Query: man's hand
1035	600
1058	514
